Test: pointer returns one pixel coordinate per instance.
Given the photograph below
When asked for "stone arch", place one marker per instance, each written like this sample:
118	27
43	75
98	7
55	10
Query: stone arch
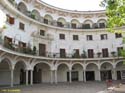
48	17
106	68
106	62
8	61
117	62
89	22
36	14
38	62
76	22
22	7
5	71
119	65
63	63
62	69
62	20
90	64
92	70
22	62
41	72
78	63
101	23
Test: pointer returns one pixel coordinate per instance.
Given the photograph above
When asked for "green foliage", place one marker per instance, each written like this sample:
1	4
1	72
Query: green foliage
115	11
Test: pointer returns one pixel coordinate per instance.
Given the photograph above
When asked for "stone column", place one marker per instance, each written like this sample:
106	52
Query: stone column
27	77
70	76
99	75
114	76
56	81
84	75
12	74
51	72
31	77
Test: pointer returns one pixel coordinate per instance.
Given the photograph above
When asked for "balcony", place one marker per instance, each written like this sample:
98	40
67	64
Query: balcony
35	16
34	52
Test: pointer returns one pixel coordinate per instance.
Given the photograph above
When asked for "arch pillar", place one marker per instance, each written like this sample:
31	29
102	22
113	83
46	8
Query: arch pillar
12	75
114	74
84	74
70	74
99	74
99	71
52	72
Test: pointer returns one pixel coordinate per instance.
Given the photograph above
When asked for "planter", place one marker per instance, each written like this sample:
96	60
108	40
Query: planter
99	54
113	53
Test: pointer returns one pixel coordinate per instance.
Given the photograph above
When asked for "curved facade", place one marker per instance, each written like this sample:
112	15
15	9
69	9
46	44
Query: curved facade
45	44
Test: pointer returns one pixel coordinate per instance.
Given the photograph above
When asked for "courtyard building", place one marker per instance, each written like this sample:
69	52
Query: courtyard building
45	44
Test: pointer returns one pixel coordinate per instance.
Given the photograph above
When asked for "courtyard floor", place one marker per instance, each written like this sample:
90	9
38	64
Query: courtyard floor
75	87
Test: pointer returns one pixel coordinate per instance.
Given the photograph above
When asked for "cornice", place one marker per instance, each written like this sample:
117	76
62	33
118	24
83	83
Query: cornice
64	12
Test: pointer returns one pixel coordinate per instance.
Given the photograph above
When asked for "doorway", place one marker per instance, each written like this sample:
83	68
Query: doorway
118	75
106	75
90	75
42	50
74	75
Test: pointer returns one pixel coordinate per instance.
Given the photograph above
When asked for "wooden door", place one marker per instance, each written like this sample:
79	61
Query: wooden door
90	53
105	52
42	50
62	53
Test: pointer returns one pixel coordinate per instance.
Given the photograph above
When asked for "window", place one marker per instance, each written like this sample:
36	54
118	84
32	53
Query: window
46	21
102	25
73	25
86	26
62	36
103	36
75	37
118	35
21	26
60	24
10	19
89	37
42	32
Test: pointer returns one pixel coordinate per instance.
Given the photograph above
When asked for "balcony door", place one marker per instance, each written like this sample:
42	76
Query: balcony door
90	53
42	49
105	52
62	53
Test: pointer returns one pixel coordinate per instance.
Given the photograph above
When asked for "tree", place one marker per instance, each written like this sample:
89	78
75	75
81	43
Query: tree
115	12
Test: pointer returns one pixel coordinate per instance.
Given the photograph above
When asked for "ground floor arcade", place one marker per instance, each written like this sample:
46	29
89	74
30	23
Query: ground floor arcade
46	72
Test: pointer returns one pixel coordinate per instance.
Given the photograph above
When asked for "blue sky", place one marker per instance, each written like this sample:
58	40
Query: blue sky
81	5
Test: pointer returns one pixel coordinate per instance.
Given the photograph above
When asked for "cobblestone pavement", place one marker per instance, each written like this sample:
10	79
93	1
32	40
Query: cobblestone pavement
89	87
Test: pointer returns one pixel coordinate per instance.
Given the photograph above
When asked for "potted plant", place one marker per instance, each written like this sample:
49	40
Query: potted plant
99	54
34	50
83	55
113	53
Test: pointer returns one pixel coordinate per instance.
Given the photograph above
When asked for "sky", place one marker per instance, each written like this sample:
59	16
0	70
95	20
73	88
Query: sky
80	5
